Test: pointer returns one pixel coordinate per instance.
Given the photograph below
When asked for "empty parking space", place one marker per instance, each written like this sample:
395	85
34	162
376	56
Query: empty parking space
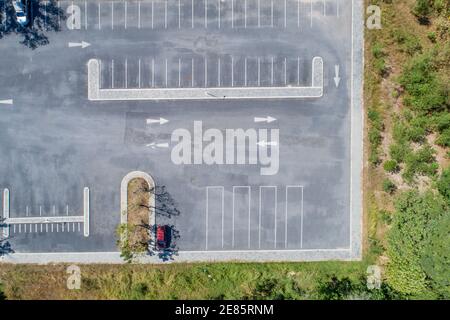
206	71
253	218
194	14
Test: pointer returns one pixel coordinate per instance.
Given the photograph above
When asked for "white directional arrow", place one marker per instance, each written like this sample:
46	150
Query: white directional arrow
154	145
268	119
264	143
337	79
82	44
161	121
8	101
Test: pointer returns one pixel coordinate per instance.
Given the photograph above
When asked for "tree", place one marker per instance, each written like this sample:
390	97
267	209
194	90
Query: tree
130	242
42	19
5	245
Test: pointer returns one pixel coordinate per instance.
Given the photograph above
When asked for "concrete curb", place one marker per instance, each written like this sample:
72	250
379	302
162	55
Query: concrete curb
124	195
182	257
97	94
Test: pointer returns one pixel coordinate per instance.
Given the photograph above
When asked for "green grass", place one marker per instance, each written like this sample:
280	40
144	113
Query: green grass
186	281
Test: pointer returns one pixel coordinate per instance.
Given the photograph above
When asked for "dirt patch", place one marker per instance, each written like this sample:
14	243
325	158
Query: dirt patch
138	211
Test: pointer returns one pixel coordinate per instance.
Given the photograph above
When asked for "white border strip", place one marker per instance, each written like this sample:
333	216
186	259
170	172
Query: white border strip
183	256
6	212
95	93
52	219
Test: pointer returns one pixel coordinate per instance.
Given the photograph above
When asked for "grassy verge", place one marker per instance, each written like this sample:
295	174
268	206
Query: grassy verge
407	100
193	281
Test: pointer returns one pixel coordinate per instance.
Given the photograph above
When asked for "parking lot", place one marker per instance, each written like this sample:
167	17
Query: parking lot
260	146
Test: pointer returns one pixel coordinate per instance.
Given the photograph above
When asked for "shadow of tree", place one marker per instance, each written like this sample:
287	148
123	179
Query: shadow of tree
42	17
165	206
165	254
5	245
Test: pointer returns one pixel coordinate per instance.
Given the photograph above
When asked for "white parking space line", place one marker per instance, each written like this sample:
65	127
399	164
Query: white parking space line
179	14
167	77
125	14
206	14
99	17
192	8
112	15
126	73
219	13
271	13
165	15
139	15
232	13
85	16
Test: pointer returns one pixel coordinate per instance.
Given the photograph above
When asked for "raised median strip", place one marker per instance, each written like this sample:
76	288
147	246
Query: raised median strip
50	219
95	93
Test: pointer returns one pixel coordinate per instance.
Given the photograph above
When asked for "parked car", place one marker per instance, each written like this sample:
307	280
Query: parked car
163	237
21	12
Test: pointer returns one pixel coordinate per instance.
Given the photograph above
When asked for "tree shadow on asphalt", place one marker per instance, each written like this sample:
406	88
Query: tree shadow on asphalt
42	18
165	207
5	245
168	253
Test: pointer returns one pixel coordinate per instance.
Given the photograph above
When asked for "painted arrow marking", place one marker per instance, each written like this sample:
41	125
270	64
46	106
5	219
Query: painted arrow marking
161	121
82	44
154	145
337	79
8	101
264	143
268	119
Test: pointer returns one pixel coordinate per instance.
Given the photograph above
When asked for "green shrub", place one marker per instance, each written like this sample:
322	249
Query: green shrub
432	36
422	8
391	166
420	162
399	151
407	239
435	259
389	186
425	92
444	138
443	184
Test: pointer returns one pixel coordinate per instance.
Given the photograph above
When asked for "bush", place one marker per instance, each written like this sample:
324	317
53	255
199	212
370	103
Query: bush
422	8
435	260
443	184
407	241
399	151
391	166
389	186
425	92
421	162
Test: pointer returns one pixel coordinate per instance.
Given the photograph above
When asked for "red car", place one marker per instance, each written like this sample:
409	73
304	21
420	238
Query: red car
163	237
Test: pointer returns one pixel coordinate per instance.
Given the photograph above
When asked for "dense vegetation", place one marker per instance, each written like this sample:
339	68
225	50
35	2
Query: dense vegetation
408	95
